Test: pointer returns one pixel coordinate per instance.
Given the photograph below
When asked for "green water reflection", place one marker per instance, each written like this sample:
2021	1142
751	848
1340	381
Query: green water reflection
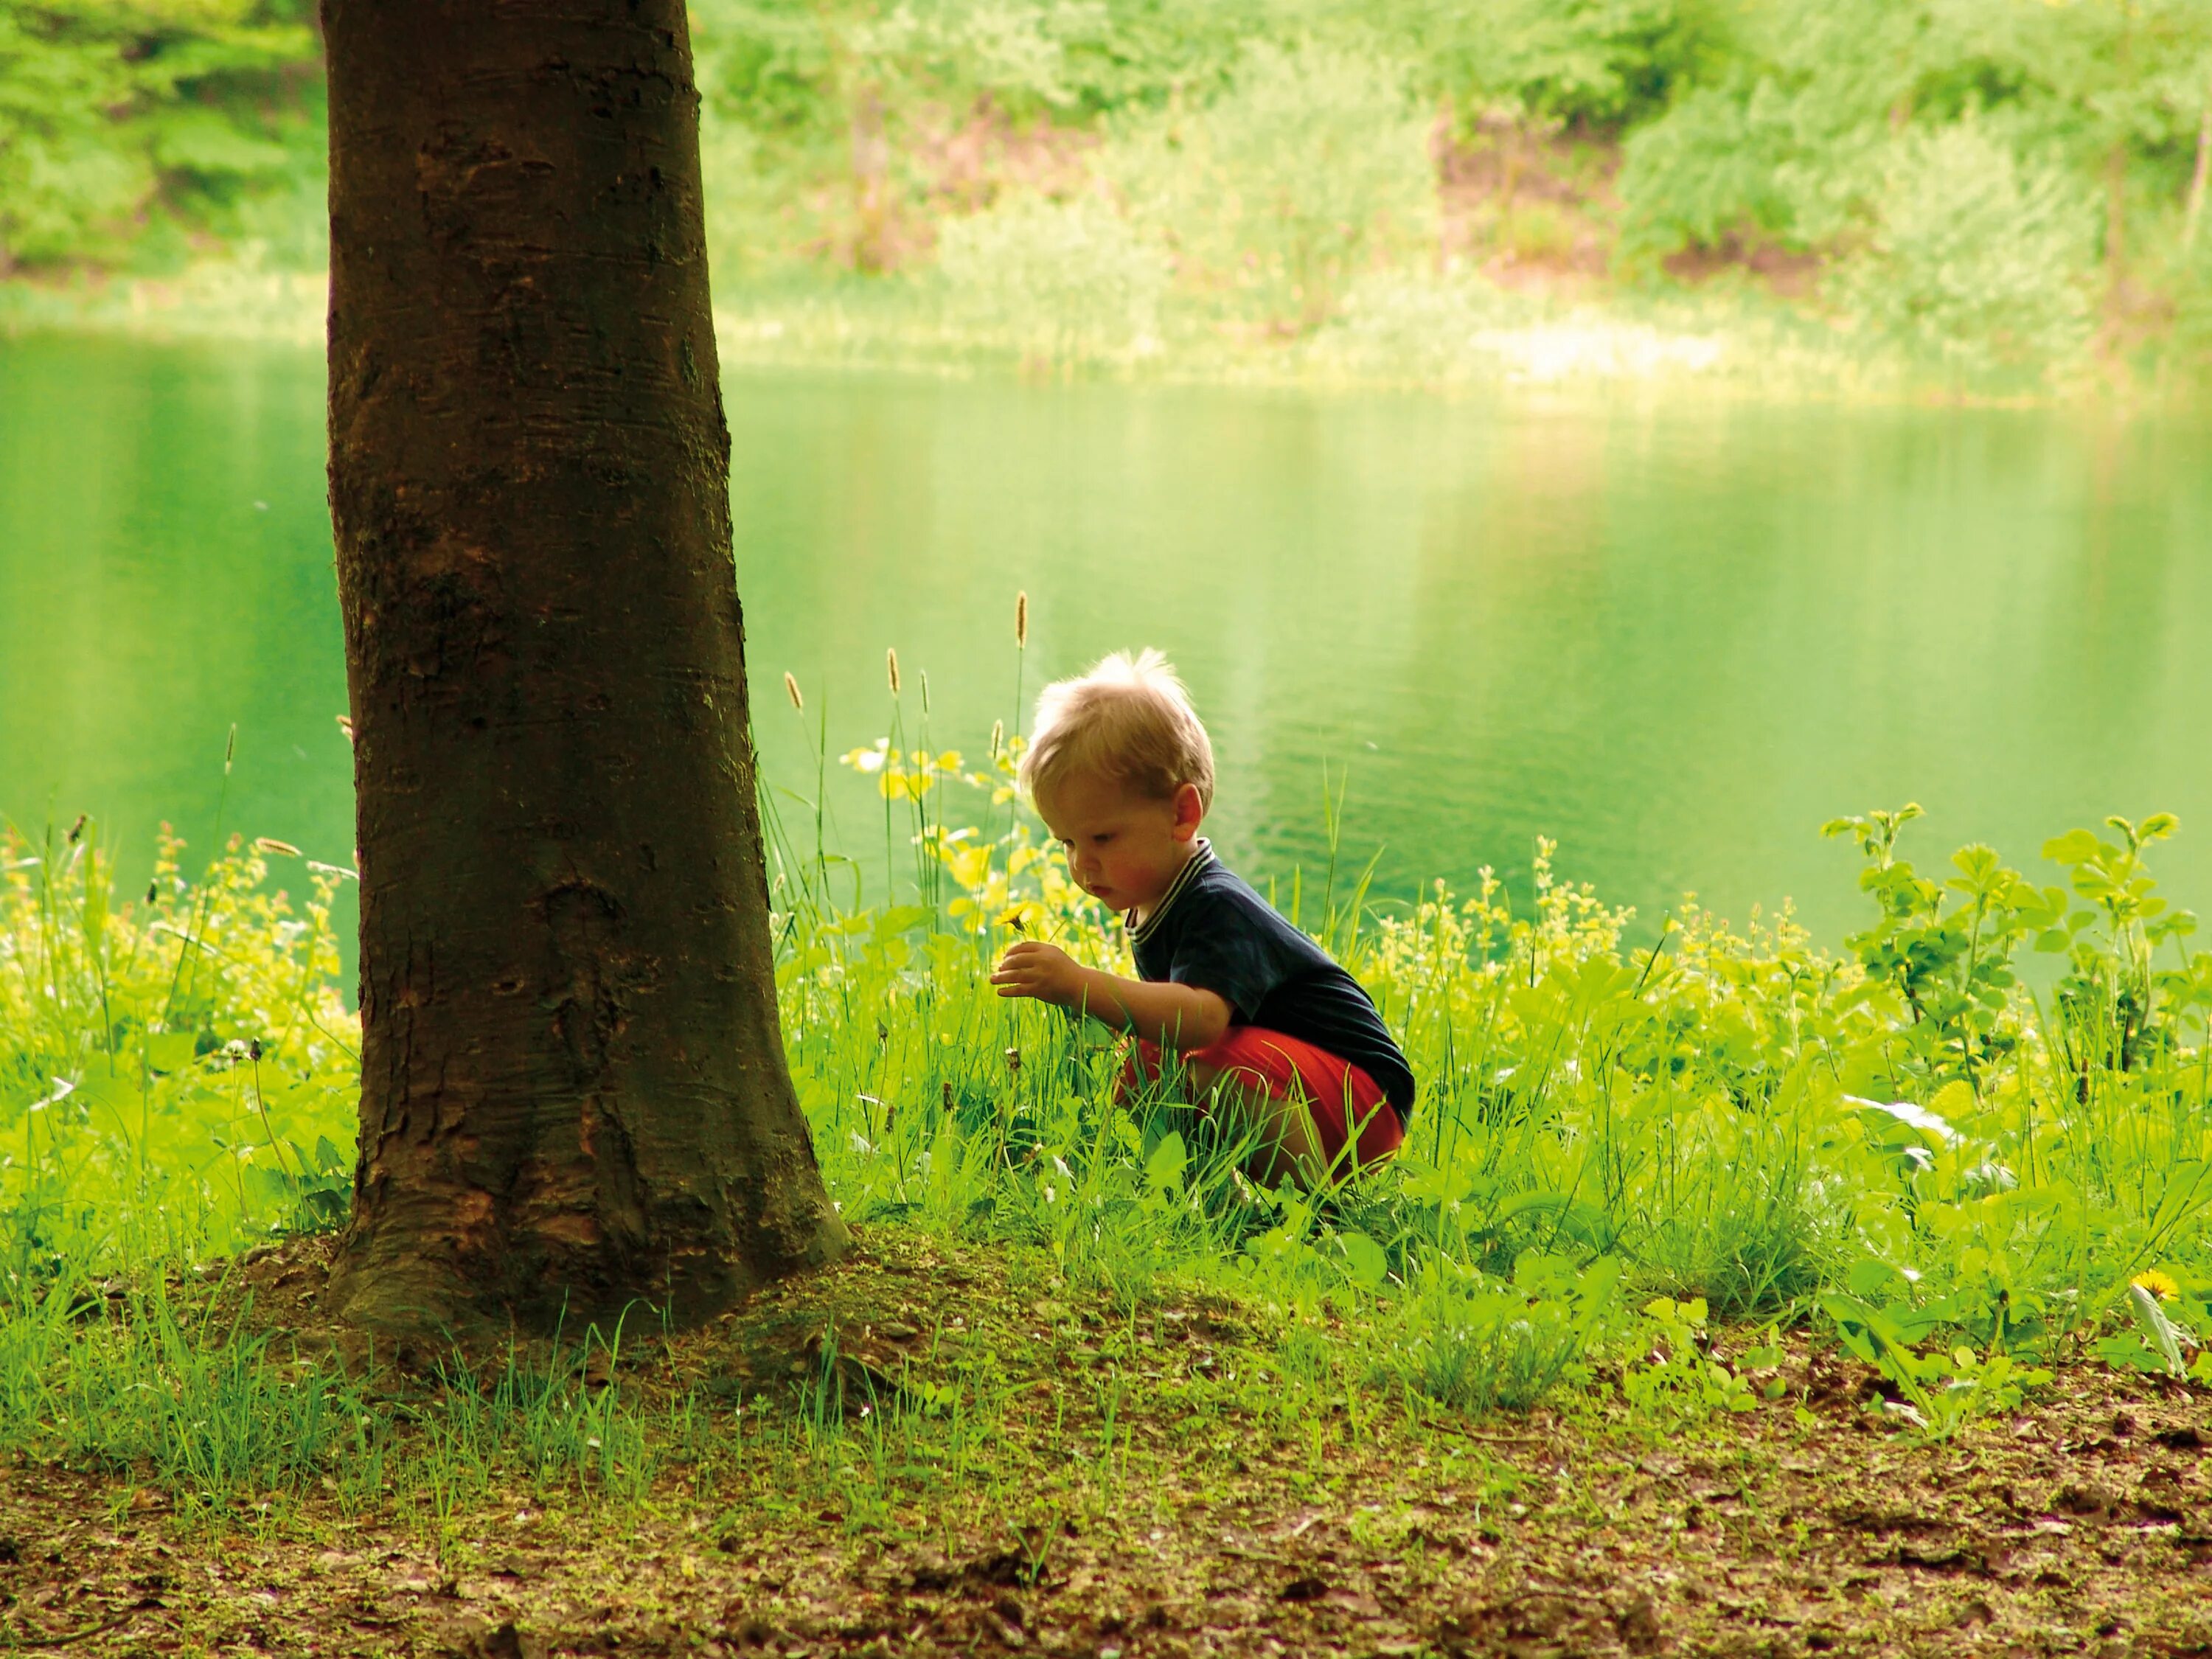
1675	638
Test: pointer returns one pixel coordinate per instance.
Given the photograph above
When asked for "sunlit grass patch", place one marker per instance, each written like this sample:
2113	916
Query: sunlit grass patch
1961	1170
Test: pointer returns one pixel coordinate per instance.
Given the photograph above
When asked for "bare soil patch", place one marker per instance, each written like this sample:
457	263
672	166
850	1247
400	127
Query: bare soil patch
1205	1523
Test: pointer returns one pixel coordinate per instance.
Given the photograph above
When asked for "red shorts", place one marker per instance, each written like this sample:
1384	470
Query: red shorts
1339	1095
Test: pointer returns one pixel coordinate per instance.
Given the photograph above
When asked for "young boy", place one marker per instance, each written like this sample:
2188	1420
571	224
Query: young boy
1268	1026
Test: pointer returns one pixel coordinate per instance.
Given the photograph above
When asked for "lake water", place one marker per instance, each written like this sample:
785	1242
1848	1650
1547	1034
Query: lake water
1675	637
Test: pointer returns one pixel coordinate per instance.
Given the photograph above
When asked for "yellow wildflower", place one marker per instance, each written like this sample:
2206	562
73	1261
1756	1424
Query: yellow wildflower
2161	1286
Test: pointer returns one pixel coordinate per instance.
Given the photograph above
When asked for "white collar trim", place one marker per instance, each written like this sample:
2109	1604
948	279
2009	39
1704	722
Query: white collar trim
1199	858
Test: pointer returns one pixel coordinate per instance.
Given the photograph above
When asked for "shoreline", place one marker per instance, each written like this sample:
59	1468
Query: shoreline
1448	335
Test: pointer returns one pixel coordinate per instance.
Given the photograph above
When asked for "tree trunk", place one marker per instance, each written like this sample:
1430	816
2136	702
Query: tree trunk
574	1092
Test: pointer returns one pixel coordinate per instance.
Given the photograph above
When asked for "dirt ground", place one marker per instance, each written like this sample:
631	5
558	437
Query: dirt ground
2083	1524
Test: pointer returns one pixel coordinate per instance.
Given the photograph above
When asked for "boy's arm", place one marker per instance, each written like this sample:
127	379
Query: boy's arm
1180	1016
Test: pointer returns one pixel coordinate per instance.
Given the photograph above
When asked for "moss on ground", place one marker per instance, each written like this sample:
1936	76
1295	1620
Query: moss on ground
1018	1466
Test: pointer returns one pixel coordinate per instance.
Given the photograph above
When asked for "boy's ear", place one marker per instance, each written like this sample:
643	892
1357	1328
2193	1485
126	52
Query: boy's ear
1189	811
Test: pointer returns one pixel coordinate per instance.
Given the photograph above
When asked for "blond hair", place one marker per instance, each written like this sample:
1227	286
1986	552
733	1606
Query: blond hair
1129	718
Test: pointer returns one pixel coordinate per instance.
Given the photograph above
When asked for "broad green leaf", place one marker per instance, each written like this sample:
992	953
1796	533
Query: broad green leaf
1365	1258
2157	1328
1163	1168
902	918
1872	1278
169	1051
1954	1101
2075	846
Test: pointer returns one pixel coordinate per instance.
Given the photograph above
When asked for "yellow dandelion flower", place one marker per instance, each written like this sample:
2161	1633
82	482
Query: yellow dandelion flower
2161	1286
1022	917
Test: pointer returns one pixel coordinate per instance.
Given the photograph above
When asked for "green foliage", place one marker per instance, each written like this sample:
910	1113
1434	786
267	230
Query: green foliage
1959	1171
1468	1342
1309	168
1065	279
1945	948
1945	157
1682	1378
177	1072
211	1410
1993	188
1940	1391
124	127
2160	1334
1977	253
1591	64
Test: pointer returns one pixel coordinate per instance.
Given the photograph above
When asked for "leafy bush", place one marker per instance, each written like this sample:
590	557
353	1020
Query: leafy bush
112	114
1977	254
1058	278
1590	62
2192	285
1311	167
1716	167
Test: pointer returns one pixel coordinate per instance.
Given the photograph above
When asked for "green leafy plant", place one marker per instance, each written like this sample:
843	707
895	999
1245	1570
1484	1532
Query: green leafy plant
2162	1340
1471	1342
1945	947
1942	1391
1680	1379
1902	1138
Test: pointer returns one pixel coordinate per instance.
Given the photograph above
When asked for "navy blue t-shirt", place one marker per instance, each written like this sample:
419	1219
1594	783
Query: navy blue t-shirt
1211	930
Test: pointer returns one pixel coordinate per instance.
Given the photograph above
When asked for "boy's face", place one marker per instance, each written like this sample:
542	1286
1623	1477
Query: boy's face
1124	847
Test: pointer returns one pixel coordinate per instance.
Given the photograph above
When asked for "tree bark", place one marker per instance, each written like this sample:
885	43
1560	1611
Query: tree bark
574	1089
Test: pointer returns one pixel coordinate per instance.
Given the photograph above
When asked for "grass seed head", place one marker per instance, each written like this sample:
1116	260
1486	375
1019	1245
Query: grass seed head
1022	620
791	691
890	662
275	847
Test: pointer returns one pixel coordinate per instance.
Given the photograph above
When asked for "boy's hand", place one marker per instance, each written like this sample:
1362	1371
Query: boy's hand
1033	968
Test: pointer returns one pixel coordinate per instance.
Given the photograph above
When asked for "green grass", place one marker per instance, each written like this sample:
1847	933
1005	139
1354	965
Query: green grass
1915	1146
